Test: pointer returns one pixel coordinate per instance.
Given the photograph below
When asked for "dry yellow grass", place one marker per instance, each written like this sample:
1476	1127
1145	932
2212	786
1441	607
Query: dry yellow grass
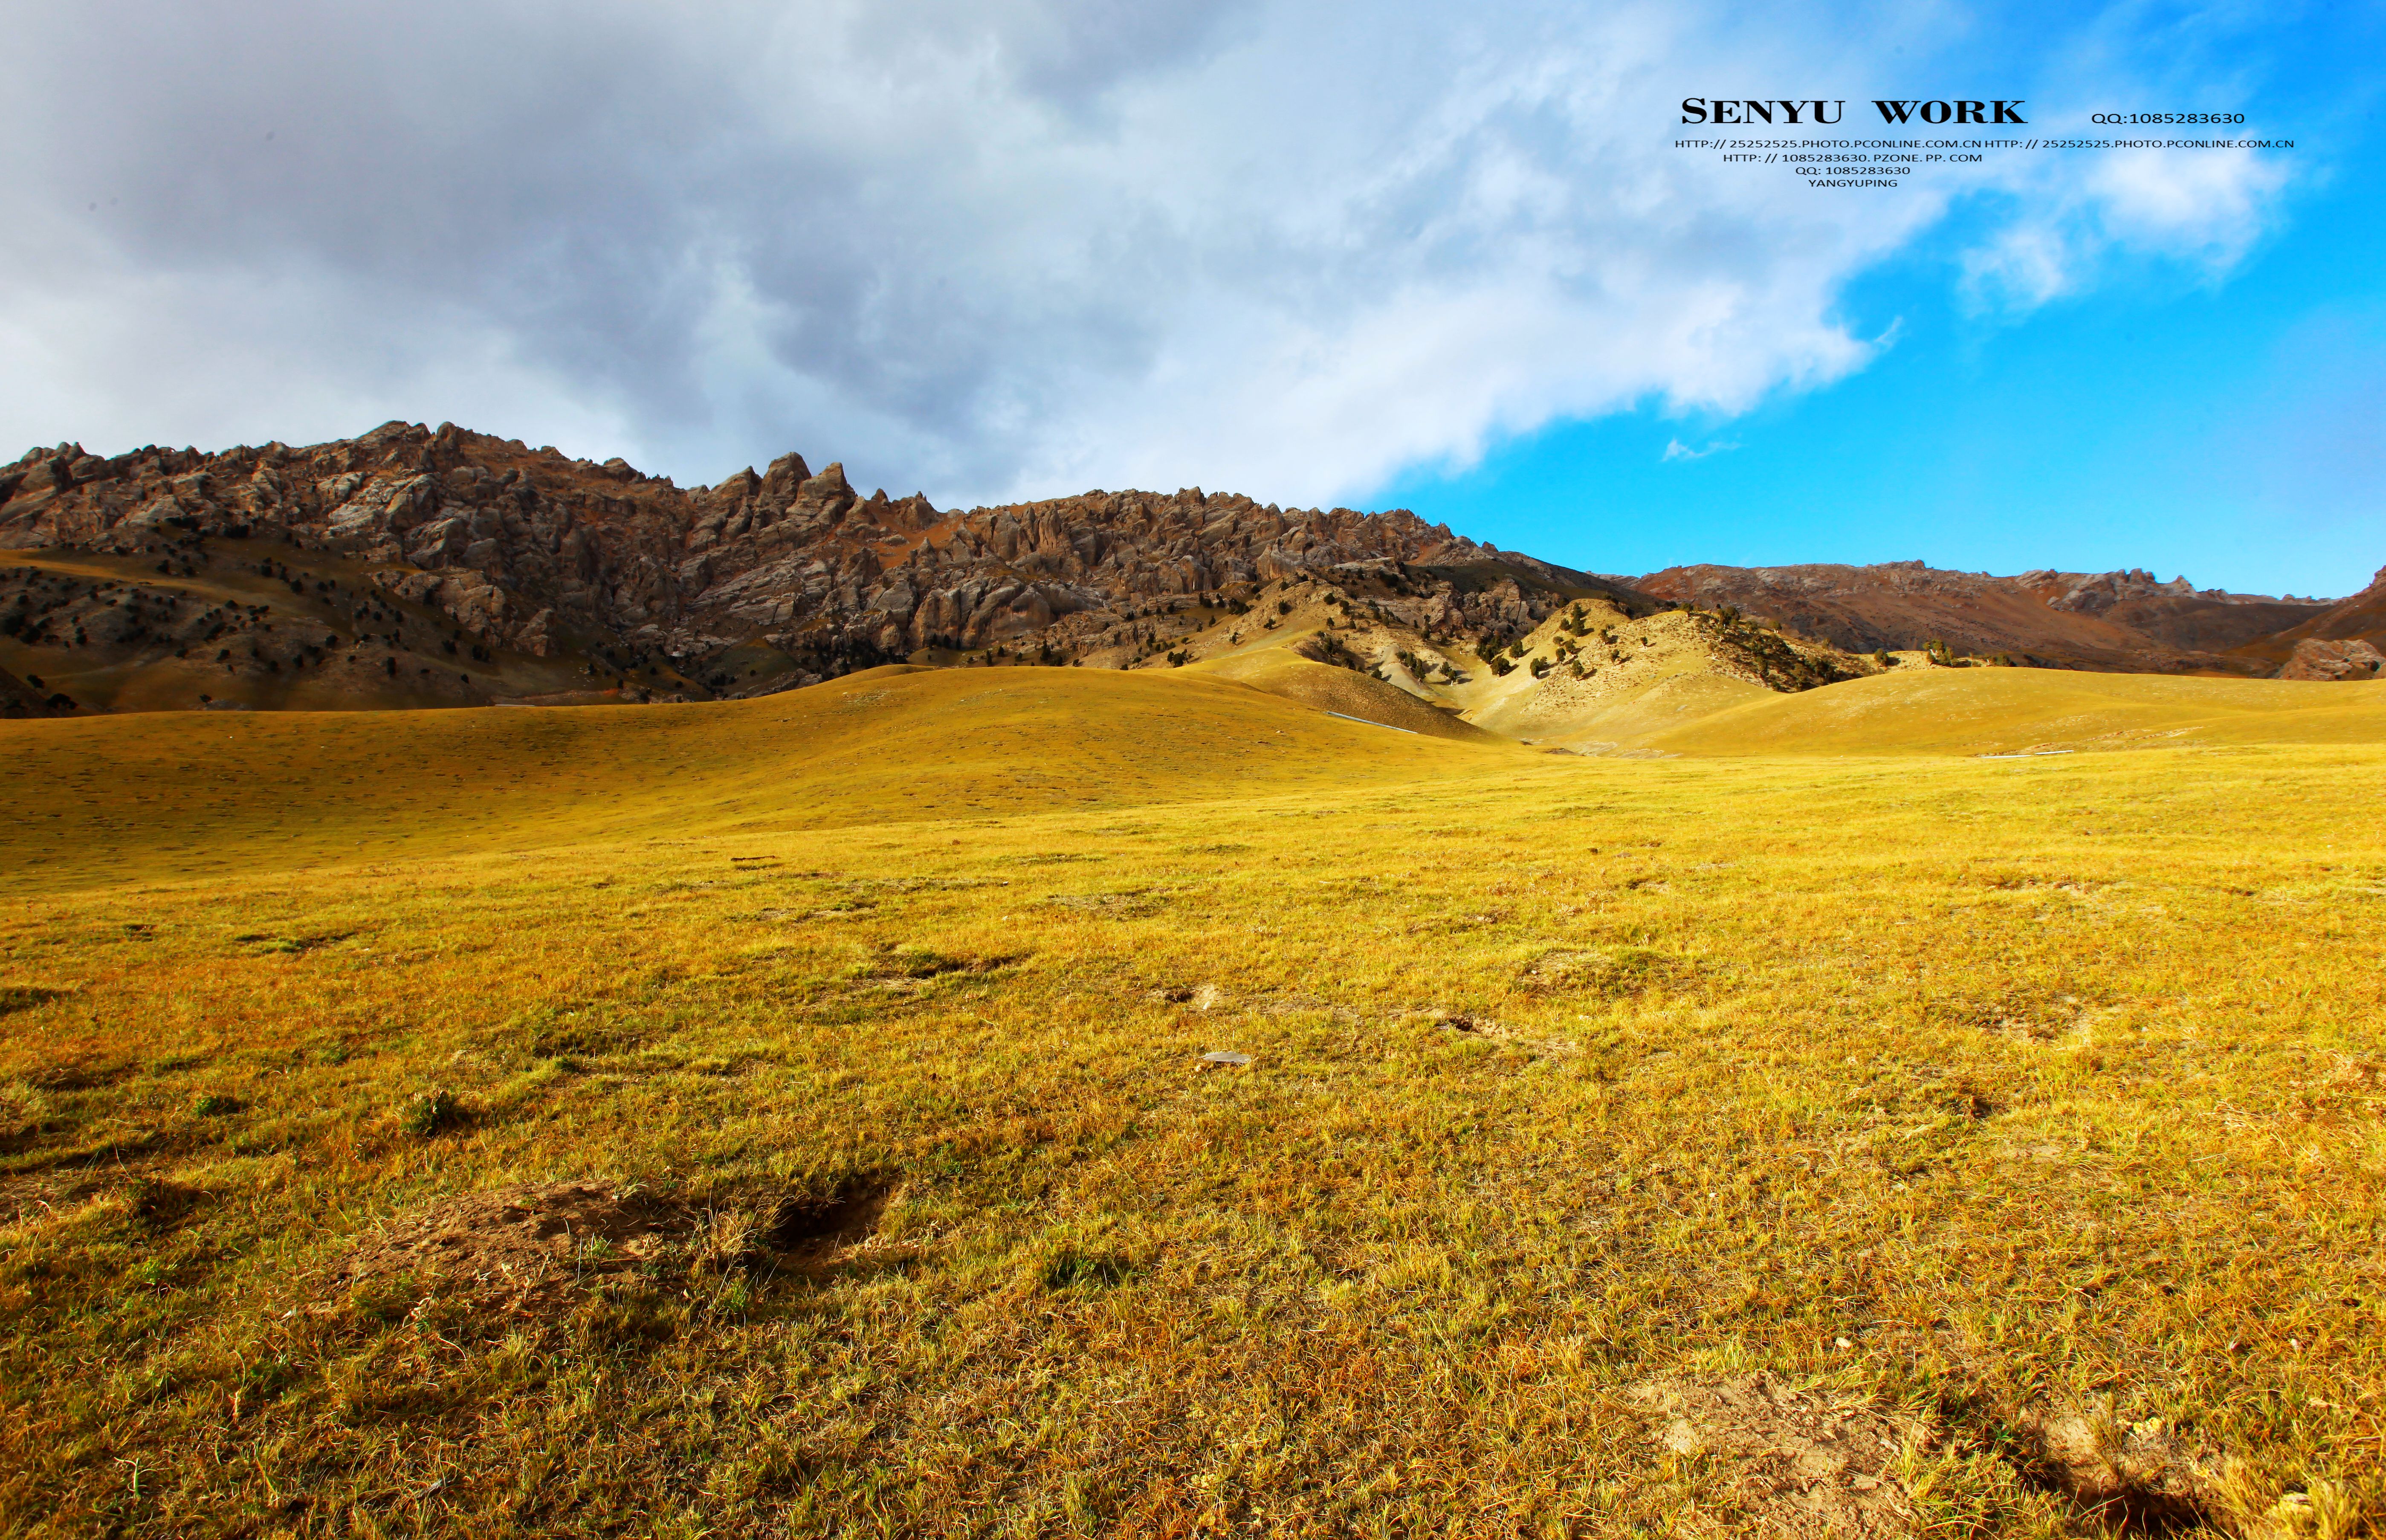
1346	692
1974	1097
1931	710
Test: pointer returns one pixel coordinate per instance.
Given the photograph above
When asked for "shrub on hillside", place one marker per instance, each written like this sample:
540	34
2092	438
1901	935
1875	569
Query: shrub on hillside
432	1112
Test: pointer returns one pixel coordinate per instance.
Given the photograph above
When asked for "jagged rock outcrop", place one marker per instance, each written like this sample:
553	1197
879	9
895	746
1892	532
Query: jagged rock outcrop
529	550
2175	614
490	550
2360	618
2334	660
2095	593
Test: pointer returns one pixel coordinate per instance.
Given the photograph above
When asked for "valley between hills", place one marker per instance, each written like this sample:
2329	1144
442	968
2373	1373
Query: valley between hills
1150	1014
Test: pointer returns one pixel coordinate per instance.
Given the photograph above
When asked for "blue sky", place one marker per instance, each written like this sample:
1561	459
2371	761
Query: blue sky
2226	422
1318	251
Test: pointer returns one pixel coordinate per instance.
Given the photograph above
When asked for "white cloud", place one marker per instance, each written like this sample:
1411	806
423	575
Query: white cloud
1677	450
2203	207
981	249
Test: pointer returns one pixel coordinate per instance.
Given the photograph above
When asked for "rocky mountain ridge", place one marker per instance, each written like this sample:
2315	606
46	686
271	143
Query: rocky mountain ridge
450	545
421	566
2124	620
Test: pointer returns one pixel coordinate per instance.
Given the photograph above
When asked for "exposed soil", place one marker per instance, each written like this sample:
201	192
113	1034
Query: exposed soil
2144	1479
1114	905
1616	972
1489	1029
1802	1462
25	1196
537	1246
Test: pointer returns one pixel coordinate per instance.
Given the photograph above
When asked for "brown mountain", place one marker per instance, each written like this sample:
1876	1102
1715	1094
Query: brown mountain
2347	640
25	697
412	567
409	567
2124	621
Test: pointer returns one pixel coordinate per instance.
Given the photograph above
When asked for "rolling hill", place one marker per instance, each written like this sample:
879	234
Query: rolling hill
971	1100
890	744
1980	711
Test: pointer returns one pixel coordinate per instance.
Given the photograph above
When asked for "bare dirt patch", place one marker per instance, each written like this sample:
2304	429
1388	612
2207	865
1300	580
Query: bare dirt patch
1802	1461
531	1246
1208	997
1489	1029
1617	973
2024	1015
1129	905
48	1191
2141	1479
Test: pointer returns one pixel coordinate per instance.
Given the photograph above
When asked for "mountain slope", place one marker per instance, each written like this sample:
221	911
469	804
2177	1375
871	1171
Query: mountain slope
2344	641
624	582
1357	646
2122	621
411	568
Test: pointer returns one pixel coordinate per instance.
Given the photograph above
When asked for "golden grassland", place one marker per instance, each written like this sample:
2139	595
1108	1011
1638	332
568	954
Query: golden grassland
1966	1093
1929	710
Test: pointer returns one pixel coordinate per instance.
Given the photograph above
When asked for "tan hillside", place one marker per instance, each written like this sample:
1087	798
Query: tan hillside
1587	672
241	625
1585	676
1282	671
894	743
2023	711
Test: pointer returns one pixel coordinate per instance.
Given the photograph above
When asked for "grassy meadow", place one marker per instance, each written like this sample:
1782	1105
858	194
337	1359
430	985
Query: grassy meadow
2028	1116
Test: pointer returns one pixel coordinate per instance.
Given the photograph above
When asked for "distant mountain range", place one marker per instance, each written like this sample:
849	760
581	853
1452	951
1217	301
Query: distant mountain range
418	567
2118	621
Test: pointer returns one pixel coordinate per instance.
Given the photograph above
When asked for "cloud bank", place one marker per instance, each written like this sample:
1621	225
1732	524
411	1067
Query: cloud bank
1002	248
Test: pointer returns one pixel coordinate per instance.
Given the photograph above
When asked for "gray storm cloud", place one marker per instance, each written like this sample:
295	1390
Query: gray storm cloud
982	250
